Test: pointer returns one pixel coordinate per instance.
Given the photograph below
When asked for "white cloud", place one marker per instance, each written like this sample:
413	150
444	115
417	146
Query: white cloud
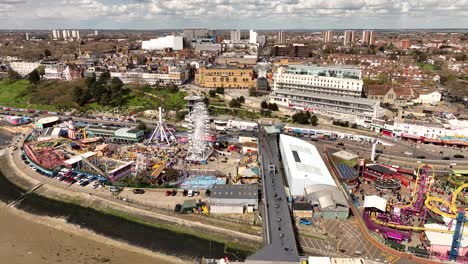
213	13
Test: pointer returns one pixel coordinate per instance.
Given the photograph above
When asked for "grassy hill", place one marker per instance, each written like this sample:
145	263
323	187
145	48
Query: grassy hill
14	94
54	95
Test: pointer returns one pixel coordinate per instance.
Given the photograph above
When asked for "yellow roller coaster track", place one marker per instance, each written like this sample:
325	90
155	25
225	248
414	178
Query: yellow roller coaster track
451	205
429	206
404	227
415	189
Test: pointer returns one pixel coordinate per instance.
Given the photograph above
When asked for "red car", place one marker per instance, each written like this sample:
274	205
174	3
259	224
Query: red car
168	193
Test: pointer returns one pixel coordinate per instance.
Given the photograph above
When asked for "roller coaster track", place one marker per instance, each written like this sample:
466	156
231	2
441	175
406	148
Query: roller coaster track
452	206
416	187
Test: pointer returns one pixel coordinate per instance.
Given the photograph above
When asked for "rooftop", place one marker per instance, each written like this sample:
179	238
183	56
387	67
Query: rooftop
305	162
343	72
231	191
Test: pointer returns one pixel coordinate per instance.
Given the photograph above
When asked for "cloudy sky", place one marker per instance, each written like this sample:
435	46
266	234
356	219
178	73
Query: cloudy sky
243	14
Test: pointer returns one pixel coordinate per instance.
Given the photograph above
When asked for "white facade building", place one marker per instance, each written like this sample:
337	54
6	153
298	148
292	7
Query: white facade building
53	72
331	91
253	37
455	128
173	42
429	98
235	35
176	75
55	34
24	67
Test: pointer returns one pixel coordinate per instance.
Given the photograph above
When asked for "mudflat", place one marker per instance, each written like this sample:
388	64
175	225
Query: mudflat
23	241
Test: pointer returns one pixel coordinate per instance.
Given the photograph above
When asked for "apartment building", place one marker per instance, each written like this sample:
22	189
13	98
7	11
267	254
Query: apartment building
349	38
335	81
24	68
225	76
176	74
331	91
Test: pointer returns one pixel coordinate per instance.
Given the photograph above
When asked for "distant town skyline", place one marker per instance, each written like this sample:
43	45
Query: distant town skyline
225	14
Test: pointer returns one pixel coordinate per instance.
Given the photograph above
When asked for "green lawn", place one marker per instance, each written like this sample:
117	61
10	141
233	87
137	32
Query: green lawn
14	94
426	66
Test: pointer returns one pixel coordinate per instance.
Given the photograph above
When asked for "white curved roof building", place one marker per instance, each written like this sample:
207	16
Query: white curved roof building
307	175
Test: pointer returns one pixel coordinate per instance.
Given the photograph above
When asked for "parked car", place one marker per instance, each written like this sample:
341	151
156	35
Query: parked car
445	158
168	193
173	193
421	157
305	221
340	144
185	192
83	184
458	156
114	189
190	193
138	191
208	192
178	208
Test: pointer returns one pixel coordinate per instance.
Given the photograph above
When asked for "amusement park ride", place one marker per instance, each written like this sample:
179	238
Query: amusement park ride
200	148
397	221
162	134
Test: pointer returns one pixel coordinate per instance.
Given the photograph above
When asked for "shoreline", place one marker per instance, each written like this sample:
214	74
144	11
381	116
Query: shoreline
230	238
61	224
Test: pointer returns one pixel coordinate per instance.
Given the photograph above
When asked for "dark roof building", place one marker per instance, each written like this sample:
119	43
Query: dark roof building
229	198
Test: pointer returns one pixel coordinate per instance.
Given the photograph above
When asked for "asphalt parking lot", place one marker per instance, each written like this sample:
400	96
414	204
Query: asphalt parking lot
345	239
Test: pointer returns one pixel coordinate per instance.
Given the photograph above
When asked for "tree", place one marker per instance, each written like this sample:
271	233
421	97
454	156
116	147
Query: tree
460	57
354	126
104	77
273	106
206	101
241	99
314	120
41	70
47	53
34	77
13	75
234	103
212	93
265	113
264	104
300	118
141	125
220	90
253	92
180	115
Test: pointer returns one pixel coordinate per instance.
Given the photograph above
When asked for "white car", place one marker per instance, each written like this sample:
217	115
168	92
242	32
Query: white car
190	193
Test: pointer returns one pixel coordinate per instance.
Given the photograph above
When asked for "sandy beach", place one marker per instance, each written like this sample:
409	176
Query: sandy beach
30	239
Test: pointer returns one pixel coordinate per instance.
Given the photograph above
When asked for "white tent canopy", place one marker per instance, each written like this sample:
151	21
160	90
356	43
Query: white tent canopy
375	202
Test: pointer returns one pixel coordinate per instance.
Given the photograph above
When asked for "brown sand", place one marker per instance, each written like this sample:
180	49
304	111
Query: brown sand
30	239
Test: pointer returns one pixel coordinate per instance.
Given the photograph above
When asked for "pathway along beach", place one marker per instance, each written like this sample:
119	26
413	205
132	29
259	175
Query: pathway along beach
32	239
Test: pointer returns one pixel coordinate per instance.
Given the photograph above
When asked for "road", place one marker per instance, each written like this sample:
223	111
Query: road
280	237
